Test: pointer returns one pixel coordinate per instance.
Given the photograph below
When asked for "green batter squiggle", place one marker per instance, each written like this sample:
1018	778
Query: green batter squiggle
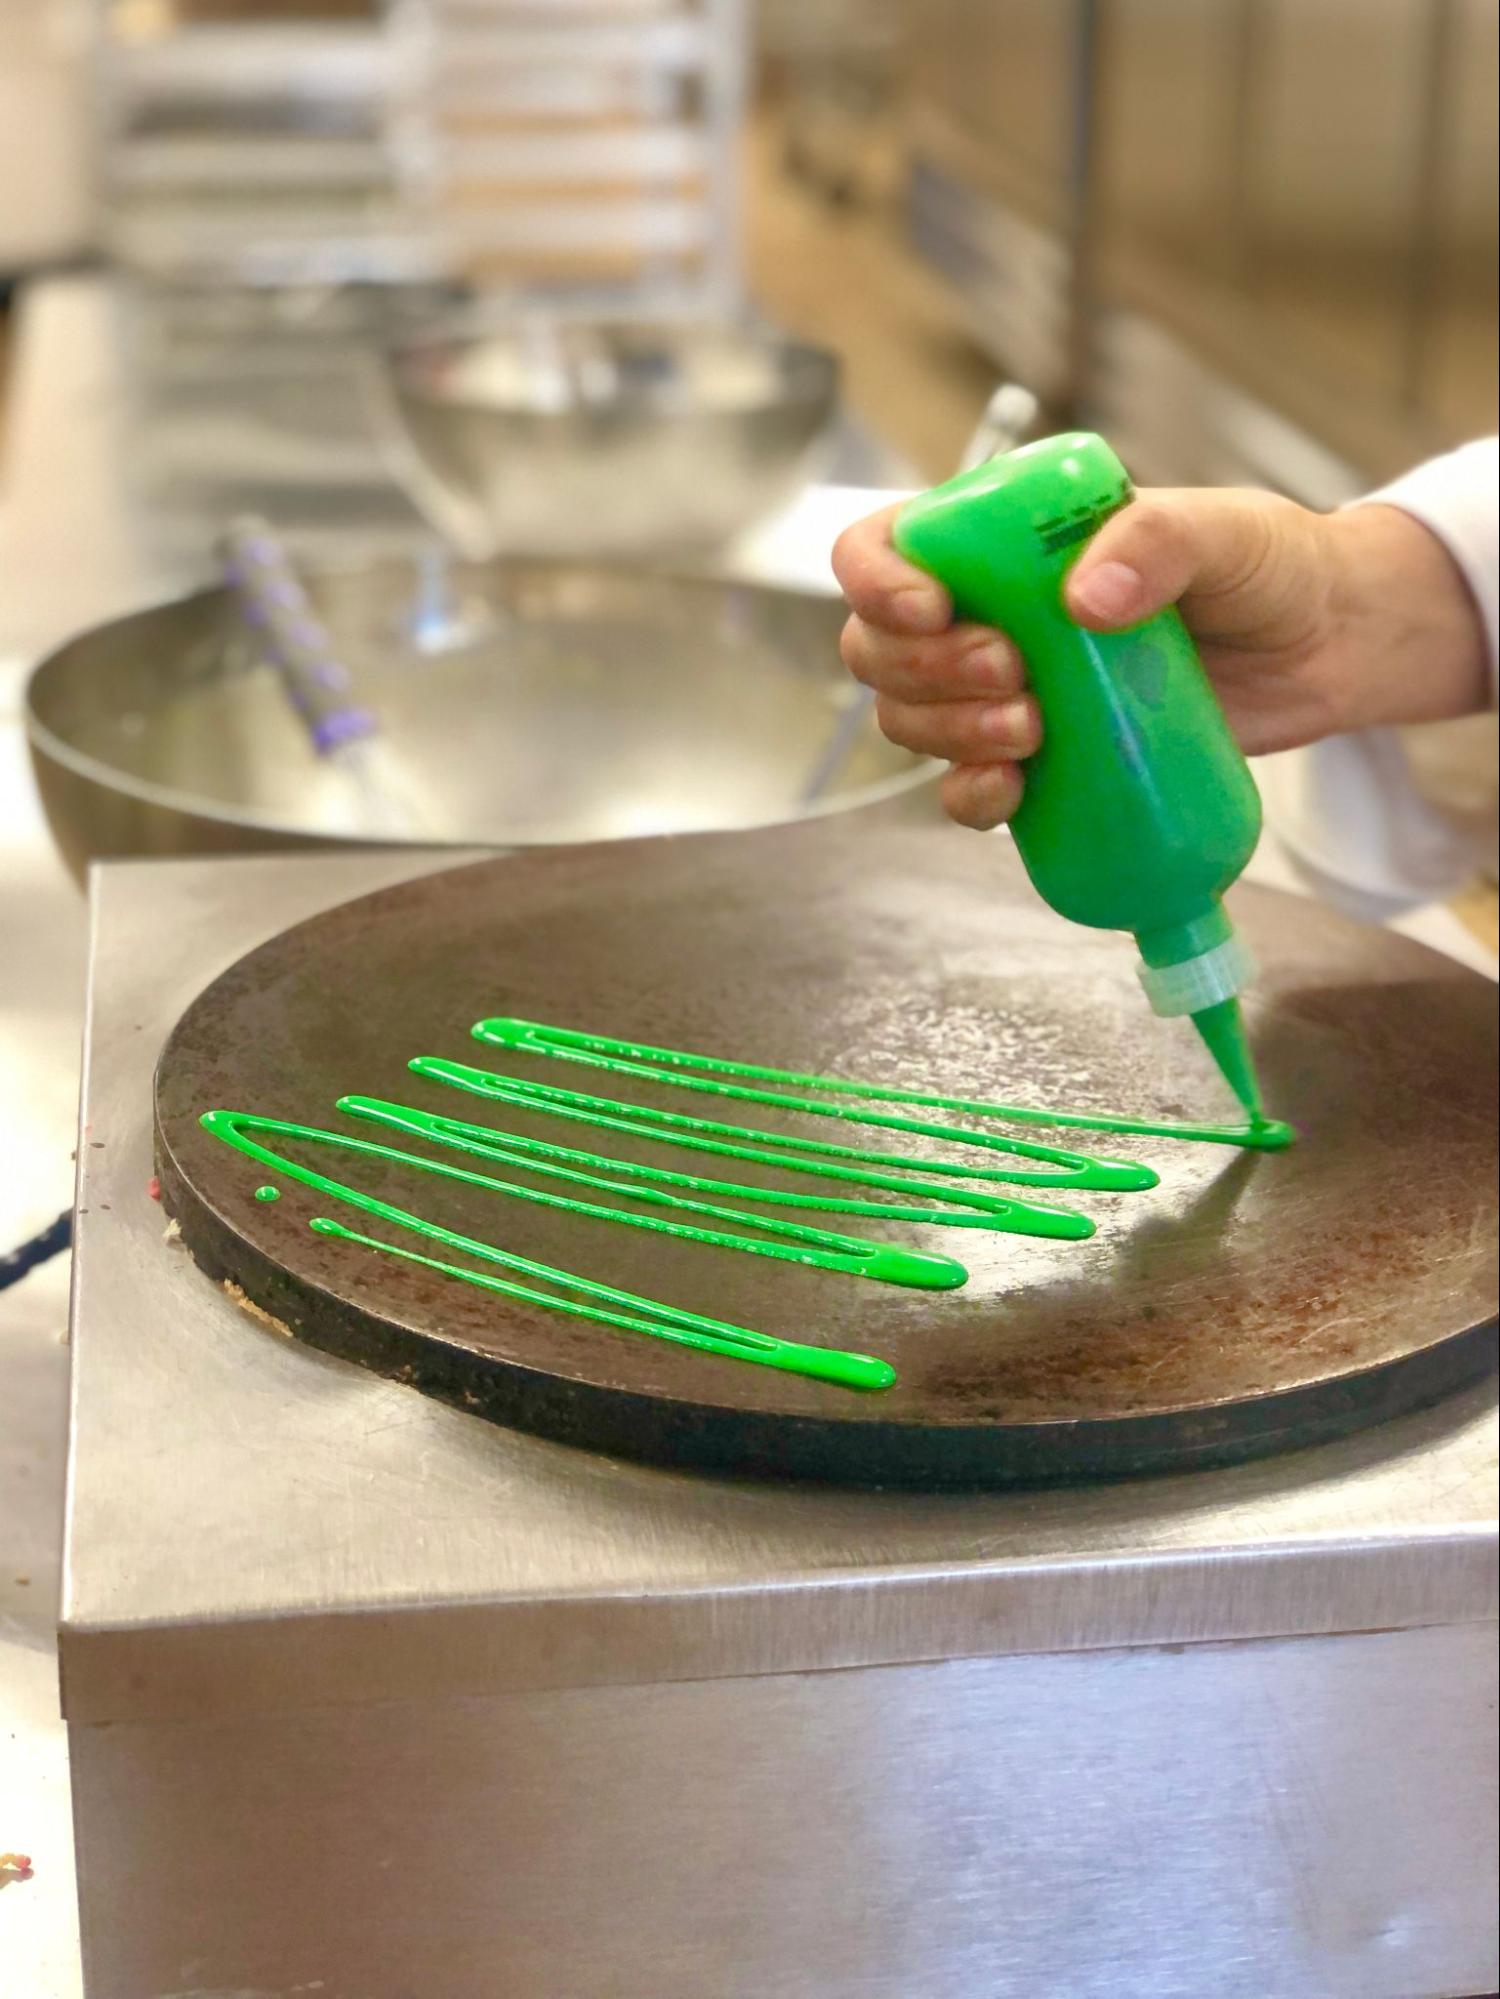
688	1329
821	1248
987	1211
605	1302
674	1194
700	1072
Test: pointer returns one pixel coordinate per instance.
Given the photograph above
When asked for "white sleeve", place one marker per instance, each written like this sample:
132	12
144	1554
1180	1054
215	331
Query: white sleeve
1458	498
1348	812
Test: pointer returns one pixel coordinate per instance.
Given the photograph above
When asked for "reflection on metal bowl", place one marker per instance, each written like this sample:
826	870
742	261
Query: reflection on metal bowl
537	703
603	440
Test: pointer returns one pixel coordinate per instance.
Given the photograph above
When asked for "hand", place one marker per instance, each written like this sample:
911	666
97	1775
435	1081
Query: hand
1309	624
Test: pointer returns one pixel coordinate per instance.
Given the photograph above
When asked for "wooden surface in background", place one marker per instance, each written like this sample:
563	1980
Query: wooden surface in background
1478	909
188	11
842	277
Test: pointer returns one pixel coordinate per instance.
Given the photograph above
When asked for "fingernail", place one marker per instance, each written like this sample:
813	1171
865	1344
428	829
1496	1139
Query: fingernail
1006	722
989	664
1110	592
918	609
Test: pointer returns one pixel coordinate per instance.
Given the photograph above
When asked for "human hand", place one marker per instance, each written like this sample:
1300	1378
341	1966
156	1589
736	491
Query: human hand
1309	624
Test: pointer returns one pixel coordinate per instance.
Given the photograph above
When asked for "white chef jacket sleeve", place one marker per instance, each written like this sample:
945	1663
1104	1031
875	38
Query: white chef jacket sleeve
1348	812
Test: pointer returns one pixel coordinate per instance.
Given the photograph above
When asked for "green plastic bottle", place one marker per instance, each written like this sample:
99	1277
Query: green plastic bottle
1139	809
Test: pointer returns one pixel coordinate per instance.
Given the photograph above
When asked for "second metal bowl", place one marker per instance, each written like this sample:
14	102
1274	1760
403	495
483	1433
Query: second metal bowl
604	440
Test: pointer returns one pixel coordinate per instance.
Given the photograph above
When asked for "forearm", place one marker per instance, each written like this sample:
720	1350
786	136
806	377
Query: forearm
1412	643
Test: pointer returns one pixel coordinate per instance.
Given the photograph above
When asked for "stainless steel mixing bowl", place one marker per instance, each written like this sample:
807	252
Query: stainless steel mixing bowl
532	703
589	440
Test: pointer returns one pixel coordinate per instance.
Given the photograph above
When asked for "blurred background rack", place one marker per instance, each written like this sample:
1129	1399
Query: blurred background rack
1255	239
586	154
282	191
253	151
559	151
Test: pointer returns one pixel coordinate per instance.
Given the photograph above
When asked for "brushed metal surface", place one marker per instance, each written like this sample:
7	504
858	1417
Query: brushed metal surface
541	702
253	1526
1287	1820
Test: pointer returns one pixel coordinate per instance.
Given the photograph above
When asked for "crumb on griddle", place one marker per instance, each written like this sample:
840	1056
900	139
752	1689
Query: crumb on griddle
246	1303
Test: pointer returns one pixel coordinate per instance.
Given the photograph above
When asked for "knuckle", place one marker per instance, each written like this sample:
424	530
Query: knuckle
844	555
1156	529
904	726
971	798
1263	538
988	657
1028	724
888	715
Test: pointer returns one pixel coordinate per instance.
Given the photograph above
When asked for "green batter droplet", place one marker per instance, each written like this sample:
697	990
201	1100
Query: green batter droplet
268	1193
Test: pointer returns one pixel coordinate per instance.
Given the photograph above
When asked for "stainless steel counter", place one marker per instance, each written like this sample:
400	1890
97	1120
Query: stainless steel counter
299	1597
320	1490
43	944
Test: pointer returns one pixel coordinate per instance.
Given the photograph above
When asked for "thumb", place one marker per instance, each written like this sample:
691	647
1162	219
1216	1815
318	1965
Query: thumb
1163	546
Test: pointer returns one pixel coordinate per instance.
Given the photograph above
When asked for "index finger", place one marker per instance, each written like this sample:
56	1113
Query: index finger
882	586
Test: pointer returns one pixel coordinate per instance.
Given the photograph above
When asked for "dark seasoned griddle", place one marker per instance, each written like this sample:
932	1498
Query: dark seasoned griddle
1249	1304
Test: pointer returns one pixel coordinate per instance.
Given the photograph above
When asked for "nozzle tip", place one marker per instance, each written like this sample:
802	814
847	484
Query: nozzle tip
1223	1030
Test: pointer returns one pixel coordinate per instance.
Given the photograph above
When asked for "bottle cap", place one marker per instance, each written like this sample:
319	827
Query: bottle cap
1205	980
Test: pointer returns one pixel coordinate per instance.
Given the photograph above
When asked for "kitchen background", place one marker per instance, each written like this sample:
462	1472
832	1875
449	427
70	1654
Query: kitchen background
1254	237
1251	240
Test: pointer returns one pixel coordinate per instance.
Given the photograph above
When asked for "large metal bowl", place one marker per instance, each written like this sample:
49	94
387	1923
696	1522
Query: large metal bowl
535	703
603	440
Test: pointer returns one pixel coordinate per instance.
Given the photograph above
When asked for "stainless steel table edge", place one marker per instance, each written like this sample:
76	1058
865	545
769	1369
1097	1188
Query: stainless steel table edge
240	1665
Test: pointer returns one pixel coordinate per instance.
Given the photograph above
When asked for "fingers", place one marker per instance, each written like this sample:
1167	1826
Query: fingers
885	589
1165	546
963	732
943	690
982	798
963	661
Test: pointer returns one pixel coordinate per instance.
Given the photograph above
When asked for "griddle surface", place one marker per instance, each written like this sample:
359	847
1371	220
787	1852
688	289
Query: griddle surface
1248	1304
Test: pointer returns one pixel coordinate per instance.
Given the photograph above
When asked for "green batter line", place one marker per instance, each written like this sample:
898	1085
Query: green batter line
687	1071
988	1211
661	1322
674	1194
605	1302
821	1248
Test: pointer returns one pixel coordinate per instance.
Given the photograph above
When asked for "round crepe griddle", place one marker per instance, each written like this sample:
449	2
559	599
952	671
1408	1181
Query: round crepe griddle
1250	1303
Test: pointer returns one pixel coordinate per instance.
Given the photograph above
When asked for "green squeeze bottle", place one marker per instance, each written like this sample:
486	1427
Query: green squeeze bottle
1139	809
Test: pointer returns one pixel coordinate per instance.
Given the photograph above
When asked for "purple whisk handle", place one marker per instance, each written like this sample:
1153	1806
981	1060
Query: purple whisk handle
278	609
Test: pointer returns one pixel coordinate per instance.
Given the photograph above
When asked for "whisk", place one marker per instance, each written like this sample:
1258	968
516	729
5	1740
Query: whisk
343	730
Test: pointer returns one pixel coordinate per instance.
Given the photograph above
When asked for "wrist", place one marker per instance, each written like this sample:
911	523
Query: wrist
1411	643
